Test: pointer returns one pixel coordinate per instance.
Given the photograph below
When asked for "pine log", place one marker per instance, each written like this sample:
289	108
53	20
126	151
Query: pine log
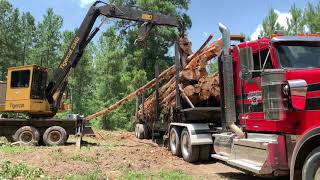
213	50
185	97
165	74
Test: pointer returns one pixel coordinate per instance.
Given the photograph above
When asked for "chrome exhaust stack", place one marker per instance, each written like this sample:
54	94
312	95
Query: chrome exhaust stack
227	86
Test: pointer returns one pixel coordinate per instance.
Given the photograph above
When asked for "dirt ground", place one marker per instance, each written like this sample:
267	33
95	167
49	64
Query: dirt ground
112	154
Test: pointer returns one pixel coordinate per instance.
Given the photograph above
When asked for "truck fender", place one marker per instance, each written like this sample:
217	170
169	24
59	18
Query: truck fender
303	147
199	132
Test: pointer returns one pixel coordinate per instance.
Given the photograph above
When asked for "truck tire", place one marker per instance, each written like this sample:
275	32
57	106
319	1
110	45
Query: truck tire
139	131
190	153
27	135
174	141
147	131
55	136
205	152
311	167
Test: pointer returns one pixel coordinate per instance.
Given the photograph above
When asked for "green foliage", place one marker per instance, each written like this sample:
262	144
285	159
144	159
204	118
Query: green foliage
296	22
19	171
48	40
270	24
309	16
213	66
122	66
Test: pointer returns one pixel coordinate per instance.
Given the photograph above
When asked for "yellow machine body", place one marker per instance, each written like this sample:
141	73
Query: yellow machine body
24	92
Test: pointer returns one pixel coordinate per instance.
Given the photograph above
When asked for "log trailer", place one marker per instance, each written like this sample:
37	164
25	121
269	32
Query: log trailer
268	121
27	91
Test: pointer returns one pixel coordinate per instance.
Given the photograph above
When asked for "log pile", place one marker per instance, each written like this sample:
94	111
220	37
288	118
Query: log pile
196	86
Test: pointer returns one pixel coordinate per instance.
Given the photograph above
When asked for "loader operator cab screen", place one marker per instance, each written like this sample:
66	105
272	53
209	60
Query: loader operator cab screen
39	82
20	79
295	55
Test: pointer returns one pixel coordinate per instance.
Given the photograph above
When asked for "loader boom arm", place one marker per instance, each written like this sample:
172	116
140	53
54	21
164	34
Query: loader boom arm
85	34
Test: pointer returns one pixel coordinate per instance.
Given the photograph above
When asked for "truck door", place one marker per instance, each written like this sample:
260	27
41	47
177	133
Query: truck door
252	93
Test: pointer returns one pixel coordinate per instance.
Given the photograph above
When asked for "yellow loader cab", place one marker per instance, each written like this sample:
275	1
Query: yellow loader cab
25	90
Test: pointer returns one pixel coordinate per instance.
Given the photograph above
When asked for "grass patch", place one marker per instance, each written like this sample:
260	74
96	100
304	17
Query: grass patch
15	149
89	176
163	174
19	171
79	157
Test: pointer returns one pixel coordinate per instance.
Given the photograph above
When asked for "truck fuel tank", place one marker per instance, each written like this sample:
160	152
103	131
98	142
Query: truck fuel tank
222	143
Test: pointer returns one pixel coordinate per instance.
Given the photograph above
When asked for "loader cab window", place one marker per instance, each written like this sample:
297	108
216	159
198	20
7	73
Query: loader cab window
258	65
20	79
39	82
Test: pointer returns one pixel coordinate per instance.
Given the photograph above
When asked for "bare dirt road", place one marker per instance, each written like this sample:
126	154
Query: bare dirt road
113	155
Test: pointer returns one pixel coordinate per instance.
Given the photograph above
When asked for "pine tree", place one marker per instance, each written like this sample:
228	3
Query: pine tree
49	40
270	24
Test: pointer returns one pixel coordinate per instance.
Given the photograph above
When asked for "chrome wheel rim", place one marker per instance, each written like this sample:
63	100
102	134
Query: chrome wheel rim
173	141
185	144
317	175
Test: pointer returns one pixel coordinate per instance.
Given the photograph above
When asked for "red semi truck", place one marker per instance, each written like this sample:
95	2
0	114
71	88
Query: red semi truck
269	119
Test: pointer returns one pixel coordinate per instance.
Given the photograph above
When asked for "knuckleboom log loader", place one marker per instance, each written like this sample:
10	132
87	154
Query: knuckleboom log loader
268	120
27	90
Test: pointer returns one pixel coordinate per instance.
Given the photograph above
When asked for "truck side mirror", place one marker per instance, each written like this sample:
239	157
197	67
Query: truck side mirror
246	63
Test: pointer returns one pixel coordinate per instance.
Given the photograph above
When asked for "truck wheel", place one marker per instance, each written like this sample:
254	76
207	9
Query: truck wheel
205	152
27	135
146	131
136	130
139	131
190	152
311	167
55	136
174	141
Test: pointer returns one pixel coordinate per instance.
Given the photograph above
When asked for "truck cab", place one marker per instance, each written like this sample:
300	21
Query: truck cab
25	88
277	98
280	92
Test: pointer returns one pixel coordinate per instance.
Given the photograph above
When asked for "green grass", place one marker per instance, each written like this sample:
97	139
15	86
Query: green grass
163	174
14	149
19	171
89	176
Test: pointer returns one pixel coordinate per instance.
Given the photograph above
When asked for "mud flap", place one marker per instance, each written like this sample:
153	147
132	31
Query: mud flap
200	133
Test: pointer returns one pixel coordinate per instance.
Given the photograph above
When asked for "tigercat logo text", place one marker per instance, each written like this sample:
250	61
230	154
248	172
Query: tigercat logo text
147	17
70	51
16	106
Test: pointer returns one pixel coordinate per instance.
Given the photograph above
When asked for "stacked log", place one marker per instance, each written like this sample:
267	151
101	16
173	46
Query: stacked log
196	85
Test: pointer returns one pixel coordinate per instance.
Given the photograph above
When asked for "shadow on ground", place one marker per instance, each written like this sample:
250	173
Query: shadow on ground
246	176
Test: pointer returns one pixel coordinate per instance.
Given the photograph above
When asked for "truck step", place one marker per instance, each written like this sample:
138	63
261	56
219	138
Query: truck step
220	157
251	154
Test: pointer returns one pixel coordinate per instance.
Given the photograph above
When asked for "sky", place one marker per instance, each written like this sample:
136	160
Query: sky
241	16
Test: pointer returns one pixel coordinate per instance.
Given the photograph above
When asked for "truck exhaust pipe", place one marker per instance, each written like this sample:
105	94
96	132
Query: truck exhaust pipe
227	92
